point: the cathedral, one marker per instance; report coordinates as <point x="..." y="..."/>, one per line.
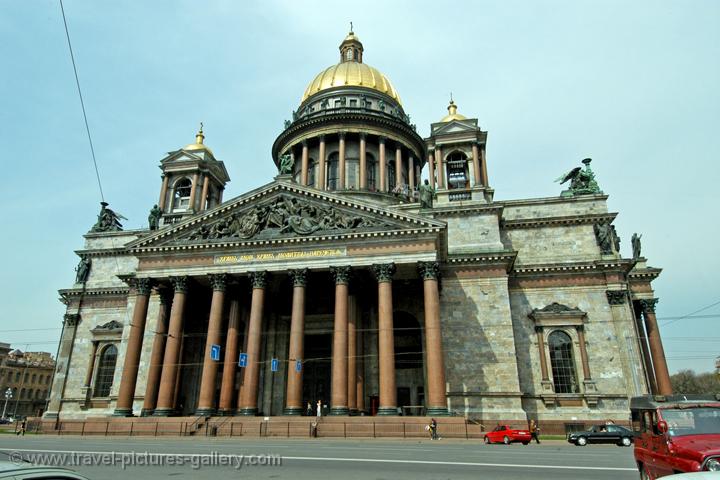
<point x="374" y="275"/>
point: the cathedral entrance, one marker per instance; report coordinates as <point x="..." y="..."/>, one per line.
<point x="318" y="369"/>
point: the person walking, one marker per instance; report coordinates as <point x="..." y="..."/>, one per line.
<point x="319" y="408"/>
<point x="433" y="429"/>
<point x="309" y="410"/>
<point x="23" y="427"/>
<point x="534" y="431"/>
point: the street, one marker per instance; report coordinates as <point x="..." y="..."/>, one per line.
<point x="146" y="457"/>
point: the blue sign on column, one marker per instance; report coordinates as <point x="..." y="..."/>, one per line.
<point x="215" y="352"/>
<point x="274" y="365"/>
<point x="298" y="365"/>
<point x="242" y="361"/>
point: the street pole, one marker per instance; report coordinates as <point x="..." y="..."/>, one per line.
<point x="8" y="396"/>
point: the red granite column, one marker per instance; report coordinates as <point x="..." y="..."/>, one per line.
<point x="321" y="163"/>
<point x="662" y="377"/>
<point x="293" y="399"/>
<point x="483" y="166"/>
<point x="477" y="174"/>
<point x="644" y="348"/>
<point x="338" y="402"/>
<point x="193" y="192"/>
<point x="342" y="185"/>
<point x="360" y="372"/>
<point x="431" y="168"/>
<point x="248" y="402"/>
<point x="156" y="358"/>
<point x="435" y="358"/>
<point x="304" y="164"/>
<point x="352" y="355"/>
<point x="227" y="389"/>
<point x="206" y="403"/>
<point x="398" y="165"/>
<point x="91" y="366"/>
<point x="171" y="359"/>
<point x="163" y="192"/>
<point x="386" y="339"/>
<point x="583" y="352"/>
<point x="363" y="161"/>
<point x="382" y="166"/>
<point x="128" y="381"/>
<point x="541" y="352"/>
<point x="411" y="174"/>
<point x="440" y="168"/>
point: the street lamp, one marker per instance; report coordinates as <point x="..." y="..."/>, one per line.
<point x="8" y="396"/>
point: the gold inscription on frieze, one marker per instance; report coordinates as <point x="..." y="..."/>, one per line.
<point x="270" y="256"/>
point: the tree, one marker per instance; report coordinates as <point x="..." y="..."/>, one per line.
<point x="687" y="381"/>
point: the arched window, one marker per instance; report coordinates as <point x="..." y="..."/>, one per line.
<point x="457" y="171"/>
<point x="563" y="365"/>
<point x="181" y="199"/>
<point x="34" y="378"/>
<point x="333" y="175"/>
<point x="22" y="393"/>
<point x="371" y="167"/>
<point x="105" y="371"/>
<point x="17" y="376"/>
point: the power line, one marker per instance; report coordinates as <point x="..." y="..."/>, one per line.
<point x="691" y="314"/>
<point x="82" y="103"/>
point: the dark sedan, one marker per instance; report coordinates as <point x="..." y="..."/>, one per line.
<point x="616" y="434"/>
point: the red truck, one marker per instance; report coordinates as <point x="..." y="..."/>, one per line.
<point x="676" y="434"/>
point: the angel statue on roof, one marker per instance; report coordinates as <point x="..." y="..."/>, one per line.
<point x="582" y="181"/>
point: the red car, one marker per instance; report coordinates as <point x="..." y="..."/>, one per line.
<point x="505" y="434"/>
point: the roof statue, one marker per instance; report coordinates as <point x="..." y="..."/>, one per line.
<point x="582" y="182"/>
<point x="636" y="246"/>
<point x="108" y="220"/>
<point x="286" y="164"/>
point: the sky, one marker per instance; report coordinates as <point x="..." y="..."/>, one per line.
<point x="633" y="85"/>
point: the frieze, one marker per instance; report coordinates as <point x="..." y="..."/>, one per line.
<point x="273" y="256"/>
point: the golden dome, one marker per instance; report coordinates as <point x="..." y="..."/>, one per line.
<point x="452" y="113"/>
<point x="351" y="74"/>
<point x="198" y="145"/>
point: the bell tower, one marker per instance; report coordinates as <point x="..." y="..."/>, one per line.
<point x="192" y="181"/>
<point x="351" y="49"/>
<point x="456" y="158"/>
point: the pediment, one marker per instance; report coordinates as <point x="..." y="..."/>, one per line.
<point x="454" y="127"/>
<point x="181" y="156"/>
<point x="284" y="212"/>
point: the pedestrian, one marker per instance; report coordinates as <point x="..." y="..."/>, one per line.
<point x="319" y="408"/>
<point x="23" y="426"/>
<point x="433" y="429"/>
<point x="534" y="431"/>
<point x="308" y="409"/>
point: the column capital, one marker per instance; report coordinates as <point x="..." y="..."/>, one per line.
<point x="429" y="270"/>
<point x="538" y="328"/>
<point x="304" y="142"/>
<point x="218" y="281"/>
<point x="363" y="135"/>
<point x="321" y="137"/>
<point x="299" y="276"/>
<point x="648" y="304"/>
<point x="180" y="283"/>
<point x="71" y="319"/>
<point x="141" y="286"/>
<point x="384" y="271"/>
<point x="341" y="274"/>
<point x="381" y="140"/>
<point x="580" y="328"/>
<point x="341" y="135"/>
<point x="616" y="297"/>
<point x="259" y="279"/>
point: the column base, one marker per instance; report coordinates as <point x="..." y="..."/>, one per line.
<point x="437" y="412"/>
<point x="51" y="415"/>
<point x="226" y="412"/>
<point x="339" y="411"/>
<point x="387" y="411"/>
<point x="205" y="412"/>
<point x="248" y="411"/>
<point x="147" y="412"/>
<point x="123" y="412"/>
<point x="293" y="411"/>
<point x="354" y="412"/>
<point x="164" y="412"/>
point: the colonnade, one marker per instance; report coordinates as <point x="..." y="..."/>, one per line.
<point x="163" y="373"/>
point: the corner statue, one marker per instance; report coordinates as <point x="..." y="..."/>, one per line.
<point x="83" y="270"/>
<point x="108" y="221"/>
<point x="636" y="246"/>
<point x="427" y="193"/>
<point x="582" y="182"/>
<point x="286" y="164"/>
<point x="154" y="217"/>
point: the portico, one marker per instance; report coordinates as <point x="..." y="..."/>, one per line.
<point x="259" y="301"/>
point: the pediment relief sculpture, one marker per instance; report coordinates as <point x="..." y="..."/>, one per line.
<point x="282" y="216"/>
